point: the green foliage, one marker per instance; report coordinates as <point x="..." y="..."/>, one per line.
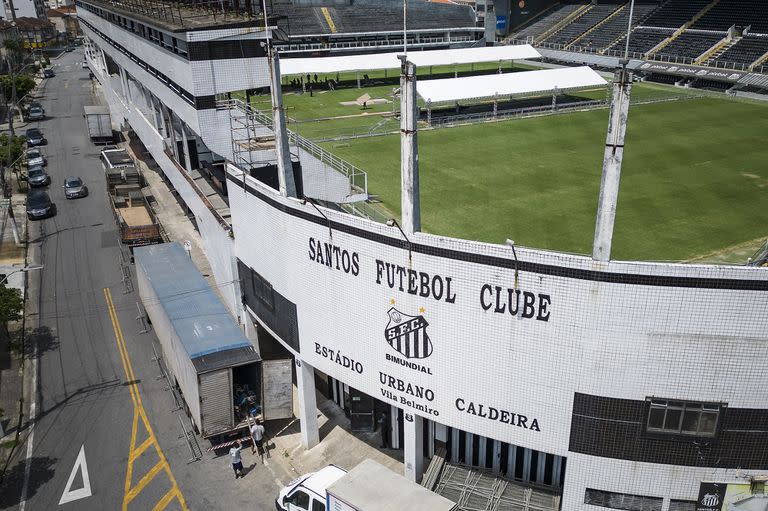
<point x="16" y="148"/>
<point x="11" y="304"/>
<point x="24" y="85"/>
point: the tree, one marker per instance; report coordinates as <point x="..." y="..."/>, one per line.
<point x="11" y="305"/>
<point x="16" y="148"/>
<point x="24" y="85"/>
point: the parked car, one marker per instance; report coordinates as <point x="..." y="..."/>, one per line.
<point x="35" y="158"/>
<point x="85" y="64"/>
<point x="39" y="205"/>
<point x="48" y="73"/>
<point x="37" y="176"/>
<point x="74" y="188"/>
<point x="36" y="104"/>
<point x="36" y="113"/>
<point x="35" y="137"/>
<point x="308" y="491"/>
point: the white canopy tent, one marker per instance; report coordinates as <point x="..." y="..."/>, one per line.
<point x="379" y="61"/>
<point x="508" y="84"/>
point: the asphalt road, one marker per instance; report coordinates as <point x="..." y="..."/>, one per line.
<point x="105" y="435"/>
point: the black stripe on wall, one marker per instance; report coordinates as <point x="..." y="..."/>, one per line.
<point x="500" y="262"/>
<point x="199" y="102"/>
<point x="226" y="50"/>
<point x="615" y="428"/>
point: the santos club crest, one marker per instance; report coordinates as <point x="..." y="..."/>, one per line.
<point x="408" y="334"/>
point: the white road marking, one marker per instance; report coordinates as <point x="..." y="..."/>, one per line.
<point x="69" y="494"/>
<point x="31" y="438"/>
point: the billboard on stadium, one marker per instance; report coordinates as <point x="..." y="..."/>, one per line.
<point x="459" y="332"/>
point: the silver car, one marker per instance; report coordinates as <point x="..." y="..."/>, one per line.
<point x="36" y="113"/>
<point x="35" y="158"/>
<point x="74" y="188"/>
<point x="36" y="177"/>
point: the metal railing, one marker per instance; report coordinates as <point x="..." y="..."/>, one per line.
<point x="358" y="178"/>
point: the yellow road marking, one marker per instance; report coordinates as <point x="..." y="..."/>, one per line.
<point x="167" y="498"/>
<point x="144" y="481"/>
<point x="328" y="18"/>
<point x="135" y="453"/>
<point x="139" y="412"/>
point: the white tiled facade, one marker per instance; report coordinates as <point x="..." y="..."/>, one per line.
<point x="618" y="340"/>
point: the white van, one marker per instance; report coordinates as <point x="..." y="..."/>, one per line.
<point x="308" y="492"/>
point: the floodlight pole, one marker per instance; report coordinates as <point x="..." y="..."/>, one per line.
<point x="612" y="160"/>
<point x="282" y="149"/>
<point x="405" y="27"/>
<point x="629" y="28"/>
<point x="410" y="203"/>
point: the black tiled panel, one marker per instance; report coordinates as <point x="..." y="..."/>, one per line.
<point x="224" y="50"/>
<point x="281" y="318"/>
<point x="615" y="428"/>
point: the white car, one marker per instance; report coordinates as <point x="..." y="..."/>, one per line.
<point x="85" y="64"/>
<point x="35" y="158"/>
<point x="307" y="493"/>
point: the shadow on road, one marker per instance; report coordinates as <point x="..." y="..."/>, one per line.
<point x="43" y="338"/>
<point x="11" y="485"/>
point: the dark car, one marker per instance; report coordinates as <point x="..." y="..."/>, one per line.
<point x="36" y="177"/>
<point x="48" y="73"/>
<point x="35" y="137"/>
<point x="39" y="205"/>
<point x="74" y="188"/>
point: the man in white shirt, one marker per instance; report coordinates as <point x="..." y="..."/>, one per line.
<point x="257" y="435"/>
<point x="237" y="462"/>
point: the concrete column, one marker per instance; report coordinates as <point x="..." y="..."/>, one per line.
<point x="612" y="159"/>
<point x="410" y="203"/>
<point x="394" y="440"/>
<point x="172" y="134"/>
<point x="124" y="86"/>
<point x="163" y="126"/>
<point x="282" y="149"/>
<point x="413" y="450"/>
<point x="305" y="381"/>
<point x="441" y="433"/>
<point x="185" y="144"/>
<point x="250" y="329"/>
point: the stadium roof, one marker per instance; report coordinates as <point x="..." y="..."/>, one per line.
<point x="375" y="61"/>
<point x="508" y="84"/>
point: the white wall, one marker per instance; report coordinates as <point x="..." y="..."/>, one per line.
<point x="609" y="339"/>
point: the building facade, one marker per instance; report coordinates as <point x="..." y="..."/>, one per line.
<point x="606" y="382"/>
<point x="616" y="382"/>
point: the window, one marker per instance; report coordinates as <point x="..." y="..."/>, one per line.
<point x="682" y="505"/>
<point x="299" y="499"/>
<point x="683" y="418"/>
<point x="625" y="501"/>
<point x="317" y="505"/>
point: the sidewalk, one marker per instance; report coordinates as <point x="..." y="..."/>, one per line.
<point x="12" y="257"/>
<point x="338" y="445"/>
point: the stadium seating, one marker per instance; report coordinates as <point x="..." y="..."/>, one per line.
<point x="547" y="21"/>
<point x="691" y="43"/>
<point x="581" y="24"/>
<point x="675" y="13"/>
<point x="746" y="51"/>
<point x="643" y="39"/>
<point x="373" y="16"/>
<point x="741" y="13"/>
<point x="605" y="35"/>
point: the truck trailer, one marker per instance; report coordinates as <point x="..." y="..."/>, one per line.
<point x="222" y="379"/>
<point x="99" y="123"/>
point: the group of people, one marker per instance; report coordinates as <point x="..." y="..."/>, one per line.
<point x="309" y="84"/>
<point x="257" y="439"/>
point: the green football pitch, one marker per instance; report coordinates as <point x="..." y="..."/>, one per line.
<point x="694" y="182"/>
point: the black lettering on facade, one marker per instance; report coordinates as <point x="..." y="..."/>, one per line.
<point x="495" y="414"/>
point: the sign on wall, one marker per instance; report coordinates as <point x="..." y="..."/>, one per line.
<point x="711" y="496"/>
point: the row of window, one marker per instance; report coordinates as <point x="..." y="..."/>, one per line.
<point x="170" y="43"/>
<point x="150" y="69"/>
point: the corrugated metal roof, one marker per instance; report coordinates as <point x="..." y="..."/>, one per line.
<point x="197" y="315"/>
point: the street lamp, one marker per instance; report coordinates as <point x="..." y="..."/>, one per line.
<point x="393" y="223"/>
<point x="26" y="269"/>
<point x="511" y="244"/>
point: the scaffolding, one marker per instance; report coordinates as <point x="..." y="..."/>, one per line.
<point x="253" y="145"/>
<point x="476" y="490"/>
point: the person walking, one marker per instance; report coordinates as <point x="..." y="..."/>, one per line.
<point x="257" y="436"/>
<point x="237" y="462"/>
